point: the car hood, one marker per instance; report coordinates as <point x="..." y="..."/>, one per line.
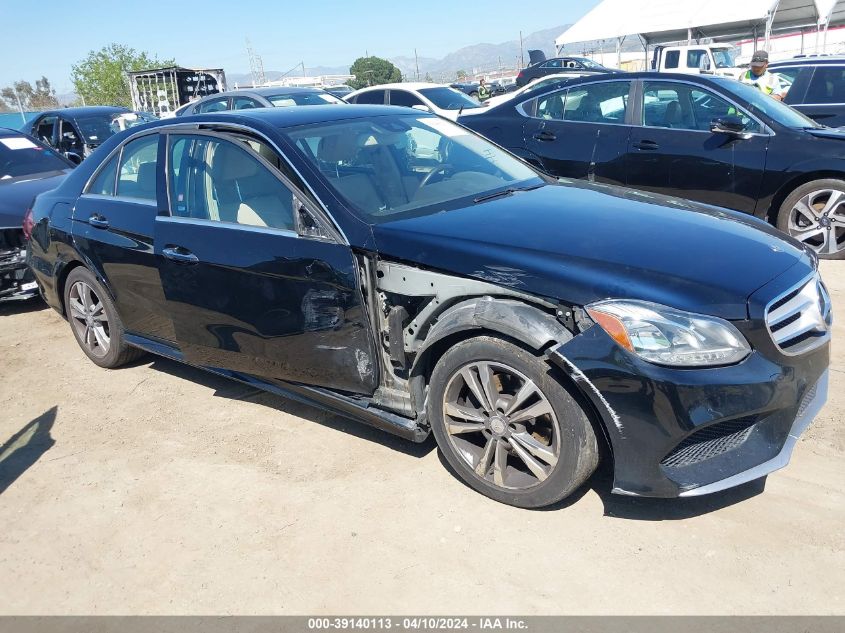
<point x="17" y="194"/>
<point x="580" y="242"/>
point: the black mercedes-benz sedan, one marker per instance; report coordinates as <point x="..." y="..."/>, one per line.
<point x="394" y="267"/>
<point x="27" y="168"/>
<point x="709" y="139"/>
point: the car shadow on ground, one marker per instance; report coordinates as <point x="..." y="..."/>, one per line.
<point x="26" y="447"/>
<point x="233" y="390"/>
<point x="11" y="308"/>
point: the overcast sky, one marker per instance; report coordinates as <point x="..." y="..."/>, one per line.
<point x="212" y="33"/>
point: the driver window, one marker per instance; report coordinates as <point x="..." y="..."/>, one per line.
<point x="69" y="140"/>
<point x="44" y="129"/>
<point x="222" y="181"/>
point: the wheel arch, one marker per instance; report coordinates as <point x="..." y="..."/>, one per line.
<point x="771" y="214"/>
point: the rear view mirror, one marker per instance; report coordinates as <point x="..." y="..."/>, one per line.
<point x="73" y="157"/>
<point x="730" y="124"/>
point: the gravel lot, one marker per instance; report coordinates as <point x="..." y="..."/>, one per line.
<point x="159" y="488"/>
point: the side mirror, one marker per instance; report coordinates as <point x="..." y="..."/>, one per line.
<point x="421" y="107"/>
<point x="73" y="157"/>
<point x="730" y="124"/>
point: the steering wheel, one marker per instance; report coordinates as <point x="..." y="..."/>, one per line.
<point x="440" y="169"/>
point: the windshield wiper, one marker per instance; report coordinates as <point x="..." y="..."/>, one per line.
<point x="502" y="193"/>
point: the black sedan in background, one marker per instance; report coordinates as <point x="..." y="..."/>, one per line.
<point x="558" y="65"/>
<point x="27" y="168"/>
<point x="259" y="98"/>
<point x="704" y="138"/>
<point x="392" y="266"/>
<point x="816" y="87"/>
<point x="76" y="132"/>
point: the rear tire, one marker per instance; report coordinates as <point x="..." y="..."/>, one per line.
<point x="814" y="214"/>
<point x="531" y="448"/>
<point x="94" y="321"/>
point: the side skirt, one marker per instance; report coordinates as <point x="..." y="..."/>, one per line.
<point x="357" y="409"/>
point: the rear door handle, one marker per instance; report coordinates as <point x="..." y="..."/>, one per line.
<point x="647" y="145"/>
<point x="180" y="255"/>
<point x="545" y="135"/>
<point x="98" y="221"/>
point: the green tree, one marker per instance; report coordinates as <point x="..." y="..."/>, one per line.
<point x="100" y="78"/>
<point x="461" y="75"/>
<point x="372" y="71"/>
<point x="41" y="97"/>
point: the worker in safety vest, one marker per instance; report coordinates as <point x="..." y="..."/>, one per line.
<point x="483" y="91"/>
<point x="759" y="76"/>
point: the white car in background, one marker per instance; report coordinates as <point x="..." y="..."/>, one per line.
<point x="440" y="99"/>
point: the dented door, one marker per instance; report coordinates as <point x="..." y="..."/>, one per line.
<point x="267" y="303"/>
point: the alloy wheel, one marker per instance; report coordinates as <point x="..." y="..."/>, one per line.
<point x="89" y="319"/>
<point x="818" y="220"/>
<point x="500" y="423"/>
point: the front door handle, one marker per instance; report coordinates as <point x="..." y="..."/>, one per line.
<point x="545" y="135"/>
<point x="180" y="255"/>
<point x="98" y="221"/>
<point x="648" y="146"/>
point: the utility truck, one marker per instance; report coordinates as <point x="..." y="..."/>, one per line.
<point x="696" y="59"/>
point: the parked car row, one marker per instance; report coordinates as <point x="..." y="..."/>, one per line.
<point x="392" y="266"/>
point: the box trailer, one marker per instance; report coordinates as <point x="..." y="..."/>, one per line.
<point x="163" y="90"/>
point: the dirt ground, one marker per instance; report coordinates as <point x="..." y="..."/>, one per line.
<point x="160" y="489"/>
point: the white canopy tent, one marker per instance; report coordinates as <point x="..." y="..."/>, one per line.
<point x="663" y="21"/>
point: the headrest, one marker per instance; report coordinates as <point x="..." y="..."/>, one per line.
<point x="337" y="148"/>
<point x="231" y="163"/>
<point x="147" y="176"/>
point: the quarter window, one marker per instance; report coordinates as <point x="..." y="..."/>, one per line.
<point x="137" y="172"/>
<point x="103" y="184"/>
<point x="222" y="181"/>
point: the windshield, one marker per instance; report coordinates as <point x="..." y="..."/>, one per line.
<point x="724" y="58"/>
<point x="19" y="156"/>
<point x="96" y="128"/>
<point x="303" y="99"/>
<point x="397" y="166"/>
<point x="779" y="112"/>
<point x="448" y="98"/>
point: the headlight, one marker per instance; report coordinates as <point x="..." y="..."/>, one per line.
<point x="666" y="336"/>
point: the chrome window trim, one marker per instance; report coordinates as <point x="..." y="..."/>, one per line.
<point x="117" y="150"/>
<point x="234" y="225"/>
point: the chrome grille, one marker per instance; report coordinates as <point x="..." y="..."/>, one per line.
<point x="800" y="319"/>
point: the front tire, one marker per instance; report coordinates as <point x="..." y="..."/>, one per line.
<point x="814" y="214"/>
<point x="95" y="322"/>
<point x="507" y="426"/>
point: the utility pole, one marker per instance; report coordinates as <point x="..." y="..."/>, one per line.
<point x="256" y="66"/>
<point x="521" y="55"/>
<point x="20" y="105"/>
<point x="417" y="61"/>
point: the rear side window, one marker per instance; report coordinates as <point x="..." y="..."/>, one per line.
<point x="827" y="85"/>
<point x="137" y="171"/>
<point x="373" y="96"/>
<point x="214" y="179"/>
<point x="214" y="105"/>
<point x="597" y="103"/>
<point x="244" y="103"/>
<point x="402" y="98"/>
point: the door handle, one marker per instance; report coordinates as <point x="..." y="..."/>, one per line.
<point x="647" y="145"/>
<point x="98" y="221"/>
<point x="180" y="255"/>
<point x="545" y="135"/>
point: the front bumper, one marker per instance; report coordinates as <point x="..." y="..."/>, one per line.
<point x="687" y="432"/>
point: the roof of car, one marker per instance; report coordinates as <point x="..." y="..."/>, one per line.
<point x="84" y="110"/>
<point x="290" y="117"/>
<point x="809" y="60"/>
<point x="408" y="85"/>
<point x="290" y="90"/>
